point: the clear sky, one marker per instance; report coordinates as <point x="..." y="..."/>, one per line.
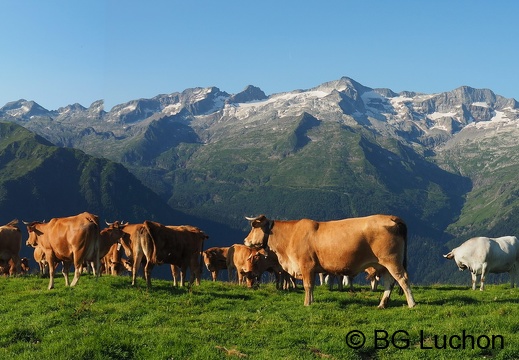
<point x="60" y="52"/>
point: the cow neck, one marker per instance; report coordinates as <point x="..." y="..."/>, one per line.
<point x="266" y="234"/>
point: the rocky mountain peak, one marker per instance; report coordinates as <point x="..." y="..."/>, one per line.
<point x="250" y="93"/>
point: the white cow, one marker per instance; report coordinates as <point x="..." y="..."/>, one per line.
<point x="482" y="255"/>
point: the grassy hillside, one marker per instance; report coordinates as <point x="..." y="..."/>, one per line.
<point x="108" y="319"/>
<point x="491" y="161"/>
<point x="40" y="181"/>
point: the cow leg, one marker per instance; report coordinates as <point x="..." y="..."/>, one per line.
<point x="52" y="271"/>
<point x="17" y="264"/>
<point x="474" y="279"/>
<point x="321" y="278"/>
<point x="147" y="273"/>
<point x="308" y="284"/>
<point x="174" y="275"/>
<point x="78" y="268"/>
<point x="398" y="273"/>
<point x="374" y="284"/>
<point x="214" y="275"/>
<point x="340" y="279"/>
<point x="513" y="275"/>
<point x="194" y="266"/>
<point x="94" y="270"/>
<point x="389" y="283"/>
<point x="136" y="265"/>
<point x="65" y="268"/>
<point x="484" y="272"/>
<point x="183" y="275"/>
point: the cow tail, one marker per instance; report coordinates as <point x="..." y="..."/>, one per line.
<point x="153" y="258"/>
<point x="400" y="229"/>
<point x="201" y="260"/>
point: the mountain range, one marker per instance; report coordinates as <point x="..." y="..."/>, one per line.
<point x="444" y="162"/>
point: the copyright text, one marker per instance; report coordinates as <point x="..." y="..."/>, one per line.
<point x="400" y="339"/>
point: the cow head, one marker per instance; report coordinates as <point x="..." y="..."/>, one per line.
<point x="461" y="266"/>
<point x="252" y="267"/>
<point x="113" y="232"/>
<point x="260" y="231"/>
<point x="34" y="232"/>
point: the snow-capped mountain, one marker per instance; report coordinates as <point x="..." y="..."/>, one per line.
<point x="427" y="119"/>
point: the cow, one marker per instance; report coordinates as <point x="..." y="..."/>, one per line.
<point x="156" y="243"/>
<point x="239" y="261"/>
<point x="342" y="247"/>
<point x="215" y="259"/>
<point x="483" y="255"/>
<point x="24" y="265"/>
<point x="109" y="246"/>
<point x="129" y="237"/>
<point x="10" y="246"/>
<point x="9" y="268"/>
<point x="43" y="264"/>
<point x="113" y="261"/>
<point x="71" y="240"/>
<point x="187" y="234"/>
<point x="266" y="260"/>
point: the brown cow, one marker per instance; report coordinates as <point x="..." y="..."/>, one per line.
<point x="192" y="234"/>
<point x="159" y="244"/>
<point x="306" y="247"/>
<point x="10" y="267"/>
<point x="215" y="259"/>
<point x="131" y="243"/>
<point x="239" y="261"/>
<point x="72" y="239"/>
<point x="10" y="245"/>
<point x="109" y="245"/>
<point x="39" y="256"/>
<point x="266" y="260"/>
<point x="24" y="265"/>
<point x="113" y="261"/>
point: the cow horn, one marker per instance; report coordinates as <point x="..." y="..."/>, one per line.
<point x="254" y="218"/>
<point x="109" y="224"/>
<point x="25" y="222"/>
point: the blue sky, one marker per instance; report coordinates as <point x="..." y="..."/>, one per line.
<point x="63" y="52"/>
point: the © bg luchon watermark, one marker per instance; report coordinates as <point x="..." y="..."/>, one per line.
<point x="400" y="339"/>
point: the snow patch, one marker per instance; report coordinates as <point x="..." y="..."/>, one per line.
<point x="172" y="109"/>
<point x="439" y="115"/>
<point x="24" y="109"/>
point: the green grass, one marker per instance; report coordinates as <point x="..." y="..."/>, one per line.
<point x="108" y="319"/>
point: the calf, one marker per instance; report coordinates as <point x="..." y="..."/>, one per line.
<point x="215" y="259"/>
<point x="266" y="260"/>
<point x="239" y="261"/>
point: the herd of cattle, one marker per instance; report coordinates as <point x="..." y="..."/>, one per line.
<point x="297" y="249"/>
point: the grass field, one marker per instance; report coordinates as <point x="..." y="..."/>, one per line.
<point x="106" y="318"/>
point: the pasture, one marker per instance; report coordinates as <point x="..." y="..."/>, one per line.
<point x="106" y="318"/>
